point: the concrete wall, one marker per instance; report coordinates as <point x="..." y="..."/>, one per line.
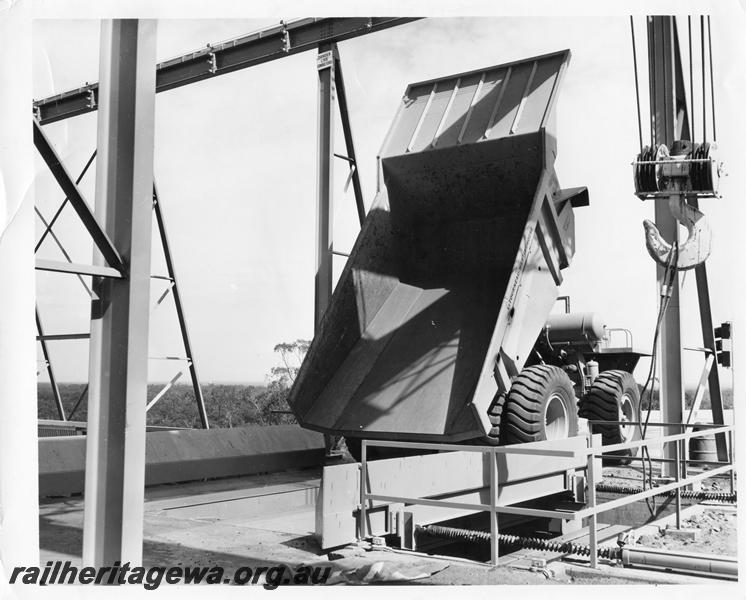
<point x="189" y="455"/>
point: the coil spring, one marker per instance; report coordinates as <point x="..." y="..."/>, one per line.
<point x="528" y="543"/>
<point x="621" y="488"/>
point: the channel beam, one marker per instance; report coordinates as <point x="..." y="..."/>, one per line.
<point x="218" y="59"/>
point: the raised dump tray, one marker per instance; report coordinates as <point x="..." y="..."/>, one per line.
<point x="457" y="263"/>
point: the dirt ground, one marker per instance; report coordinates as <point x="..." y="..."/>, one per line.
<point x="716" y="534"/>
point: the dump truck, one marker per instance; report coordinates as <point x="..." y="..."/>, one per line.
<point x="440" y="328"/>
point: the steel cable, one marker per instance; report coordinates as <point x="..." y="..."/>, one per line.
<point x="704" y="78"/>
<point x="691" y="76"/>
<point x="637" y="85"/>
<point x="651" y="84"/>
<point x="712" y="79"/>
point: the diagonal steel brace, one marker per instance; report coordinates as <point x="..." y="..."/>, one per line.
<point x="102" y="241"/>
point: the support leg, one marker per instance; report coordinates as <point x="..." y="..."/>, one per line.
<point x="349" y="142"/>
<point x="158" y="210"/>
<point x="708" y="341"/>
<point x="324" y="196"/>
<point x="115" y="447"/>
<point x="667" y="128"/>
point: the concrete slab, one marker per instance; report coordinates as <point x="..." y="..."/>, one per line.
<point x="239" y="503"/>
<point x="231" y="538"/>
<point x="299" y="522"/>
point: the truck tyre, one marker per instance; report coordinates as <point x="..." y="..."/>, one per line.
<point x="495" y="414"/>
<point x="540" y="406"/>
<point x="614" y="396"/>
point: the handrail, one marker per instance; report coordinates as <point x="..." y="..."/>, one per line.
<point x="592" y="452"/>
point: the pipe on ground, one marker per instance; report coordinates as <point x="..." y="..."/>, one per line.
<point x="721" y="566"/>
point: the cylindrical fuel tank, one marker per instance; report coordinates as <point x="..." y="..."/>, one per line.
<point x="702" y="448"/>
<point x="575" y="328"/>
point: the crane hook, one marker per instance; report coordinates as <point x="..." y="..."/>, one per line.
<point x="694" y="250"/>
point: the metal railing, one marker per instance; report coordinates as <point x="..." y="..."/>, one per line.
<point x="590" y="453"/>
<point x="606" y="341"/>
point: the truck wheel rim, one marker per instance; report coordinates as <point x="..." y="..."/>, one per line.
<point x="625" y="416"/>
<point x="556" y="423"/>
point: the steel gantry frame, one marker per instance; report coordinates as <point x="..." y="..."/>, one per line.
<point x="671" y="122"/>
<point x="216" y="59"/>
<point x="127" y="199"/>
<point x="46" y="150"/>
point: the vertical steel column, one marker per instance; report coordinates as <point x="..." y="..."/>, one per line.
<point x="679" y="451"/>
<point x="344" y="114"/>
<point x="363" y="490"/>
<point x="494" y="531"/>
<point x="591" y="503"/>
<point x="50" y="370"/>
<point x="179" y="309"/>
<point x="661" y="58"/>
<point x="732" y="473"/>
<point x="708" y="341"/>
<point x="115" y="449"/>
<point x="324" y="182"/>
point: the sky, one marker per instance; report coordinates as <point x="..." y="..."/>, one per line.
<point x="236" y="171"/>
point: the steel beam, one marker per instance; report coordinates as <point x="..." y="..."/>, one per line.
<point x="65" y="181"/>
<point x="50" y="371"/>
<point x="344" y="114"/>
<point x="246" y="51"/>
<point x="663" y="106"/>
<point x="61" y="337"/>
<point x="115" y="447"/>
<point x="324" y="183"/>
<point x="157" y="209"/>
<point x="77" y="269"/>
<point x="163" y="391"/>
<point x="79" y="401"/>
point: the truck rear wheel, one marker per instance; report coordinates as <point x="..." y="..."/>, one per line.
<point x="495" y="415"/>
<point x="614" y="396"/>
<point x="540" y="406"/>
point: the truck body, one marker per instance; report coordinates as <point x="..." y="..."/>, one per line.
<point x="457" y="265"/>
